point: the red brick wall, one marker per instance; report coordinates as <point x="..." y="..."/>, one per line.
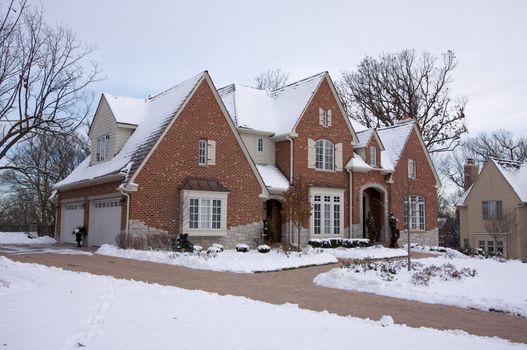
<point x="176" y="157"/>
<point x="86" y="192"/>
<point x="359" y="181"/>
<point x="423" y="186"/>
<point x="283" y="157"/>
<point x="309" y="127"/>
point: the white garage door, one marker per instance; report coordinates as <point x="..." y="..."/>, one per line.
<point x="72" y="216"/>
<point x="105" y="221"/>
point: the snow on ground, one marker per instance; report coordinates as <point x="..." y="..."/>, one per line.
<point x="49" y="308"/>
<point x="22" y="238"/>
<point x="228" y="260"/>
<point x="497" y="285"/>
<point x="374" y="252"/>
<point x="40" y="249"/>
<point x="414" y="247"/>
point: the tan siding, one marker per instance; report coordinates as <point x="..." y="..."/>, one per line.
<point x="522" y="236"/>
<point x="121" y="136"/>
<point x="103" y="123"/>
<point x="490" y="185"/>
<point x="268" y="154"/>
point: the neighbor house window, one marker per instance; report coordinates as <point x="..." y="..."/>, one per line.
<point x="412" y="169"/>
<point x="260" y="144"/>
<point x="490" y="247"/>
<point x="492" y="210"/>
<point x="481" y="245"/>
<point x="205" y="213"/>
<point x="466" y="244"/>
<point x="327" y="210"/>
<point x="325" y="155"/>
<point x="417" y="213"/>
<point x="499" y="247"/>
<point x="103" y="148"/>
<point x="373" y="156"/>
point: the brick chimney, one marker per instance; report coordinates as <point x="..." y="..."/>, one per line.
<point x="471" y="171"/>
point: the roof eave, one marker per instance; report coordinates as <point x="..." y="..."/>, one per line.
<point x="90" y="182"/>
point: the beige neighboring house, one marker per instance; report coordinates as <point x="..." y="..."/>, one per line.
<point x="493" y="209"/>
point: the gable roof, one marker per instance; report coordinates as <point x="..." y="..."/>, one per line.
<point x="127" y="110"/>
<point x="159" y="110"/>
<point x="274" y="111"/>
<point x="516" y="175"/>
<point x="394" y="139"/>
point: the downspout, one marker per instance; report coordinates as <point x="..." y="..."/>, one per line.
<point x="125" y="191"/>
<point x="351" y="202"/>
<point x="290" y="223"/>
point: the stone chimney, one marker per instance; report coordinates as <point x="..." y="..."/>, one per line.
<point x="471" y="171"/>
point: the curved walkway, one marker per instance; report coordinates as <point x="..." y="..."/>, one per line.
<point x="295" y="287"/>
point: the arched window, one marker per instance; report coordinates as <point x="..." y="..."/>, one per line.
<point x="325" y="155"/>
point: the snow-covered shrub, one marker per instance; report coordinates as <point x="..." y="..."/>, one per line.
<point x="129" y="241"/>
<point x="242" y="248"/>
<point x="264" y="248"/>
<point x="158" y="241"/>
<point x="339" y="242"/>
<point x="213" y="250"/>
<point x="197" y="248"/>
<point x="219" y="246"/>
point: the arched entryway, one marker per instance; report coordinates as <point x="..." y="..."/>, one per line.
<point x="273" y="214"/>
<point x="374" y="202"/>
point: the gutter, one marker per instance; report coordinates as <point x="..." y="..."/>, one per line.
<point x="291" y="233"/>
<point x="90" y="182"/>
<point x="126" y="191"/>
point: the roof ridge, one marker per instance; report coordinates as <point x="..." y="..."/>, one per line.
<point x="502" y="160"/>
<point x="151" y="98"/>
<point x="298" y="81"/>
<point x="400" y="123"/>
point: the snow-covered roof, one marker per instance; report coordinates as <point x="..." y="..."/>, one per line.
<point x="127" y="110"/>
<point x="516" y="175"/>
<point x="364" y="137"/>
<point x="463" y="197"/>
<point x="358" y="164"/>
<point x="275" y="111"/>
<point x="273" y="177"/>
<point x="357" y="126"/>
<point x="394" y="138"/>
<point x="158" y="112"/>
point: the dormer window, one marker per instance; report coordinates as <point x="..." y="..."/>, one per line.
<point x="373" y="156"/>
<point x="103" y="148"/>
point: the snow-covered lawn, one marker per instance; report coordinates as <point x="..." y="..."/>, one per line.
<point x="375" y="252"/>
<point x="49" y="308"/>
<point x="496" y="285"/>
<point x="22" y="238"/>
<point x="228" y="260"/>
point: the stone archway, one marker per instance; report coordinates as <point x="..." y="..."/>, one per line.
<point x="374" y="199"/>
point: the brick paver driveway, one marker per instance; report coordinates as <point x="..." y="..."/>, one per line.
<point x="293" y="286"/>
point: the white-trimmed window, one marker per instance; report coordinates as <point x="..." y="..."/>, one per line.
<point x="206" y="152"/>
<point x="325" y="155"/>
<point x="325" y="117"/>
<point x="205" y="213"/>
<point x="499" y="247"/>
<point x="373" y="156"/>
<point x="412" y="169"/>
<point x="260" y="144"/>
<point x="417" y="213"/>
<point x="103" y="148"/>
<point x="202" y="159"/>
<point x="327" y="215"/>
<point x="492" y="210"/>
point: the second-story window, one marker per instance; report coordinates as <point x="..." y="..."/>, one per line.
<point x="103" y="148"/>
<point x="324" y="117"/>
<point x="492" y="210"/>
<point x="412" y="169"/>
<point x="325" y="155"/>
<point x="202" y="157"/>
<point x="373" y="156"/>
<point x="260" y="144"/>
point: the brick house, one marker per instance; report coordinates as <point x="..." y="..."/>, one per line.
<point x="214" y="163"/>
<point x="493" y="211"/>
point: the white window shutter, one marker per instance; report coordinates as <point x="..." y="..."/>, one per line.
<point x="211" y="152"/>
<point x="338" y="157"/>
<point x="321" y="116"/>
<point x="329" y="117"/>
<point x="311" y="153"/>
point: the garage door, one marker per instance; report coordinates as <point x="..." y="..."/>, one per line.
<point x="105" y="221"/>
<point x="72" y="216"/>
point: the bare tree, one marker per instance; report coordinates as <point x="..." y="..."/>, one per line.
<point x="402" y="85"/>
<point x="502" y="227"/>
<point x="501" y="144"/>
<point x="271" y="79"/>
<point x="297" y="207"/>
<point x="43" y="76"/>
<point x="33" y="168"/>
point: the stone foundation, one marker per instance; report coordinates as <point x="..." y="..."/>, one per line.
<point x="250" y="234"/>
<point x="138" y="228"/>
<point x="430" y="238"/>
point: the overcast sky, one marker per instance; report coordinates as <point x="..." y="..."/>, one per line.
<point x="144" y="47"/>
